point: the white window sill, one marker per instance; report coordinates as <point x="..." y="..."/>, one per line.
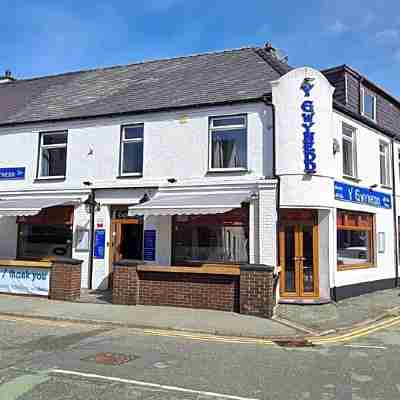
<point x="388" y="187"/>
<point x="228" y="170"/>
<point x="352" y="178"/>
<point x="49" y="178"/>
<point x="131" y="175"/>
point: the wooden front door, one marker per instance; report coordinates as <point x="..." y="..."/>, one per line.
<point x="126" y="239"/>
<point x="298" y="248"/>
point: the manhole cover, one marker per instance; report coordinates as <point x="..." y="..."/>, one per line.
<point x="111" y="358"/>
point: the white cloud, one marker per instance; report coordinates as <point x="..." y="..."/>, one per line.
<point x="338" y="27"/>
<point x="387" y="36"/>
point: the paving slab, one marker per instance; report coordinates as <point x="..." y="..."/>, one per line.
<point x="171" y="318"/>
<point x="344" y="314"/>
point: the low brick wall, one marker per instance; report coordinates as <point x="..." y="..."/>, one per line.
<point x="257" y="290"/>
<point x="250" y="293"/>
<point x="215" y="292"/>
<point x="65" y="279"/>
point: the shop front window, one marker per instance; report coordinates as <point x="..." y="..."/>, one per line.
<point x="217" y="238"/>
<point x="355" y="241"/>
<point x="48" y="234"/>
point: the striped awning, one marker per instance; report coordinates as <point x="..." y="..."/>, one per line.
<point x="31" y="206"/>
<point x="179" y="203"/>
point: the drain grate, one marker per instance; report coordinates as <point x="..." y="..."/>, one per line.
<point x="111" y="358"/>
<point x="293" y="343"/>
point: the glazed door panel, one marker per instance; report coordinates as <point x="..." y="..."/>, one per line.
<point x="299" y="260"/>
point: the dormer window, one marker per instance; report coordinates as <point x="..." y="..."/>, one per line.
<point x="368" y="104"/>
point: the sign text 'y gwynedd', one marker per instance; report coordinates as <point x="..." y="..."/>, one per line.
<point x="307" y="108"/>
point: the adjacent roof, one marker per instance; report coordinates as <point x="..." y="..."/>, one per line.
<point x="228" y="76"/>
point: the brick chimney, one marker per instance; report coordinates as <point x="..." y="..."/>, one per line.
<point x="7" y="77"/>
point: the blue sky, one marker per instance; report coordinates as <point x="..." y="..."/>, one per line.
<point x="48" y="37"/>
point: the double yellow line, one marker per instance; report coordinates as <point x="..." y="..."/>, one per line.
<point x="357" y="333"/>
<point x="315" y="340"/>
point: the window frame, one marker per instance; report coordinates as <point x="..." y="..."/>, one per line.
<point x="212" y="129"/>
<point x="371" y="245"/>
<point x="365" y="92"/>
<point x="123" y="140"/>
<point x="42" y="146"/>
<point x="353" y="142"/>
<point x="195" y="263"/>
<point x="388" y="183"/>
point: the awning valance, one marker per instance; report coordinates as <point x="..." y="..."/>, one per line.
<point x="32" y="206"/>
<point x="180" y="203"/>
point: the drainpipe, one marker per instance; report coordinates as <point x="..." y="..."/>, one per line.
<point x="396" y="233"/>
<point x="92" y="203"/>
<point x="274" y="174"/>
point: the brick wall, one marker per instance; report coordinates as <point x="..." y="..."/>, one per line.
<point x="257" y="290"/>
<point x="216" y="292"/>
<point x="250" y="293"/>
<point x="65" y="279"/>
<point x="125" y="284"/>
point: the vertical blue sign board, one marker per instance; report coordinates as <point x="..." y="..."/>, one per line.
<point x="12" y="173"/>
<point x="360" y="195"/>
<point x="149" y="245"/>
<point x="99" y="243"/>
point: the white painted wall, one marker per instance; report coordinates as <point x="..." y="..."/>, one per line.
<point x="175" y="145"/>
<point x="288" y="97"/>
<point x="368" y="174"/>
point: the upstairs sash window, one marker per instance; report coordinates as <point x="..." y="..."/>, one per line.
<point x="53" y="154"/>
<point x="228" y="138"/>
<point x="132" y="150"/>
<point x="384" y="161"/>
<point x="368" y="104"/>
<point x="349" y="146"/>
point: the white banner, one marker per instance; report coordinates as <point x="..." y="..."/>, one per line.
<point x="25" y="280"/>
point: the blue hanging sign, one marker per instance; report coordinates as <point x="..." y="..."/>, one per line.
<point x="149" y="245"/>
<point x="307" y="108"/>
<point x="360" y="195"/>
<point x="12" y="173"/>
<point x="99" y="243"/>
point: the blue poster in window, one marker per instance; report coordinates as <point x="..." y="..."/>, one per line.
<point x="149" y="245"/>
<point x="99" y="243"/>
<point x="362" y="195"/>
<point x="12" y="173"/>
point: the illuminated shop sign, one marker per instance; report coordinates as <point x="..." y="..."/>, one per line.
<point x="307" y="108"/>
<point x="360" y="195"/>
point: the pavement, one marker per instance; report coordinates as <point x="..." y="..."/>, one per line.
<point x="151" y="317"/>
<point x="344" y="315"/>
<point x="290" y="321"/>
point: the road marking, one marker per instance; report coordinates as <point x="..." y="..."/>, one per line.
<point x="360" y="346"/>
<point x="149" y="384"/>
<point x="357" y="332"/>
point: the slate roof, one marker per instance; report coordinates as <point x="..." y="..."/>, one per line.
<point x="228" y="76"/>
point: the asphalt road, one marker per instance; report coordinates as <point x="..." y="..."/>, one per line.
<point x="54" y="360"/>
